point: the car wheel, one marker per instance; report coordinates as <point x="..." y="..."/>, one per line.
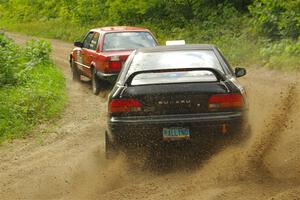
<point x="96" y="86"/>
<point x="75" y="71"/>
<point x="110" y="148"/>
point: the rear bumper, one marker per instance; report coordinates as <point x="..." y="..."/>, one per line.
<point x="112" y="77"/>
<point x="148" y="129"/>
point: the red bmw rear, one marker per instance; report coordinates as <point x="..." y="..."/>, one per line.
<point x="103" y="51"/>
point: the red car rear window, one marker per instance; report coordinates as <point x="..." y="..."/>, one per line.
<point x="127" y="41"/>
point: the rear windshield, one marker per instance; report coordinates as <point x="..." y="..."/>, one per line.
<point x="173" y="77"/>
<point x="175" y="59"/>
<point x="127" y="41"/>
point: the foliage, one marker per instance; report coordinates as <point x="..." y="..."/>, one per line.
<point x="9" y="61"/>
<point x="165" y="12"/>
<point x="283" y="54"/>
<point x="32" y="88"/>
<point x="14" y="61"/>
<point x="286" y="46"/>
<point x="244" y="29"/>
<point x="38" y="52"/>
<point x="278" y="18"/>
<point x="117" y="11"/>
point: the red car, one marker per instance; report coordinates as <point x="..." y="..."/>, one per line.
<point x="103" y="51"/>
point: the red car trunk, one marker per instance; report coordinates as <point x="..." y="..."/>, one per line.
<point x="115" y="60"/>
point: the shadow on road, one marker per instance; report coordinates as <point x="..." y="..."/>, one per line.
<point x="171" y="157"/>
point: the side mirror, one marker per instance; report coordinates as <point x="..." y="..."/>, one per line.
<point x="239" y="72"/>
<point x="78" y="44"/>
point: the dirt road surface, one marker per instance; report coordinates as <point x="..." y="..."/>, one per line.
<point x="64" y="159"/>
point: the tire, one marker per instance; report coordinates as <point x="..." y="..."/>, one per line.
<point x="96" y="86"/>
<point x="111" y="151"/>
<point x="75" y="71"/>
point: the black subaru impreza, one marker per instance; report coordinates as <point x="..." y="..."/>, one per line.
<point x="175" y="94"/>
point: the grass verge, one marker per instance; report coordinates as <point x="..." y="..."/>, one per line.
<point x="34" y="90"/>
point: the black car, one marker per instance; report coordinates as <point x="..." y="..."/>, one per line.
<point x="175" y="94"/>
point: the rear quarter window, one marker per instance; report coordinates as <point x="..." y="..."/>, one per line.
<point x="94" y="42"/>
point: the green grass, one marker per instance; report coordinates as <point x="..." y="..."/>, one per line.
<point x="50" y="29"/>
<point x="25" y="106"/>
<point x="33" y="90"/>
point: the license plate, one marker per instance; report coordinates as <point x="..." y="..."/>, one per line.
<point x="176" y="133"/>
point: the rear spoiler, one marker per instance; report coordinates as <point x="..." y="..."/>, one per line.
<point x="219" y="75"/>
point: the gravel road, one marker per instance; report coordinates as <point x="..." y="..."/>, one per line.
<point x="64" y="158"/>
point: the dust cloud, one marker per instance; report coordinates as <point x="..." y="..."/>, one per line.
<point x="264" y="167"/>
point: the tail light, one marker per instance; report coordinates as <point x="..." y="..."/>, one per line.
<point x="223" y="101"/>
<point x="115" y="63"/>
<point x="124" y="105"/>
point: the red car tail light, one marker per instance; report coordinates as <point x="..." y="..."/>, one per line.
<point x="115" y="65"/>
<point x="124" y="105"/>
<point x="223" y="101"/>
